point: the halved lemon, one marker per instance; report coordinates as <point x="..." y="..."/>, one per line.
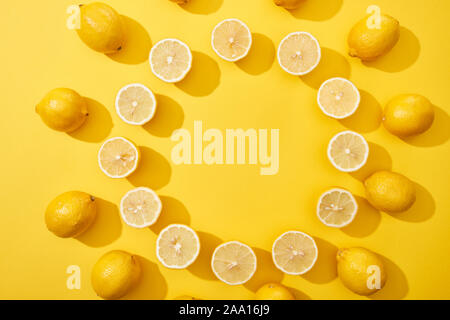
<point x="294" y="252"/>
<point x="118" y="157"/>
<point x="299" y="53"/>
<point x="338" y="98"/>
<point x="170" y="60"/>
<point x="231" y="39"/>
<point x="177" y="246"/>
<point x="140" y="207"/>
<point x="135" y="104"/>
<point x="337" y="208"/>
<point x="348" y="151"/>
<point x="233" y="262"/>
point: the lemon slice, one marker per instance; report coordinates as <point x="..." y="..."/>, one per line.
<point x="118" y="157"/>
<point x="294" y="252"/>
<point x="348" y="151"/>
<point x="299" y="53"/>
<point x="170" y="60"/>
<point x="177" y="246"/>
<point x="233" y="262"/>
<point x="231" y="39"/>
<point x="135" y="104"/>
<point x="140" y="207"/>
<point x="338" y="98"/>
<point x="337" y="208"/>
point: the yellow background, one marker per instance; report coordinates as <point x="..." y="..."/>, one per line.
<point x="221" y="202"/>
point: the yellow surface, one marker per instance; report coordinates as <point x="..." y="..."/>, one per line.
<point x="221" y="202"/>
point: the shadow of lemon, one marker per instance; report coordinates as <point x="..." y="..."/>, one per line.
<point x="169" y="116"/>
<point x="332" y="64"/>
<point x="203" y="78"/>
<point x="97" y="126"/>
<point x="137" y="44"/>
<point x="404" y="54"/>
<point x="318" y="10"/>
<point x="260" y="57"/>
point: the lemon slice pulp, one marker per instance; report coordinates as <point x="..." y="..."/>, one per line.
<point x="294" y="252"/>
<point x="177" y="246"/>
<point x="233" y="262"/>
<point x="337" y="208"/>
<point x="170" y="60"/>
<point x="135" y="104"/>
<point x="231" y="39"/>
<point x="140" y="207"/>
<point x="118" y="157"/>
<point x="338" y="98"/>
<point x="348" y="151"/>
<point x="299" y="53"/>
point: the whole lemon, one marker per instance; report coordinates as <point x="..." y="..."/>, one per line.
<point x="408" y="114"/>
<point x="274" y="291"/>
<point x="70" y="214"/>
<point x="288" y="4"/>
<point x="63" y="110"/>
<point x="360" y="270"/>
<point x="369" y="44"/>
<point x="390" y="192"/>
<point x="115" y="274"/>
<point x="101" y="28"/>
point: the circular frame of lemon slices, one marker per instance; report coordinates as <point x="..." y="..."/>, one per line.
<point x="249" y="36"/>
<point x="303" y="234"/>
<point x="319" y="53"/>
<point x="183" y="75"/>
<point x="152" y="95"/>
<point x="358" y="101"/>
